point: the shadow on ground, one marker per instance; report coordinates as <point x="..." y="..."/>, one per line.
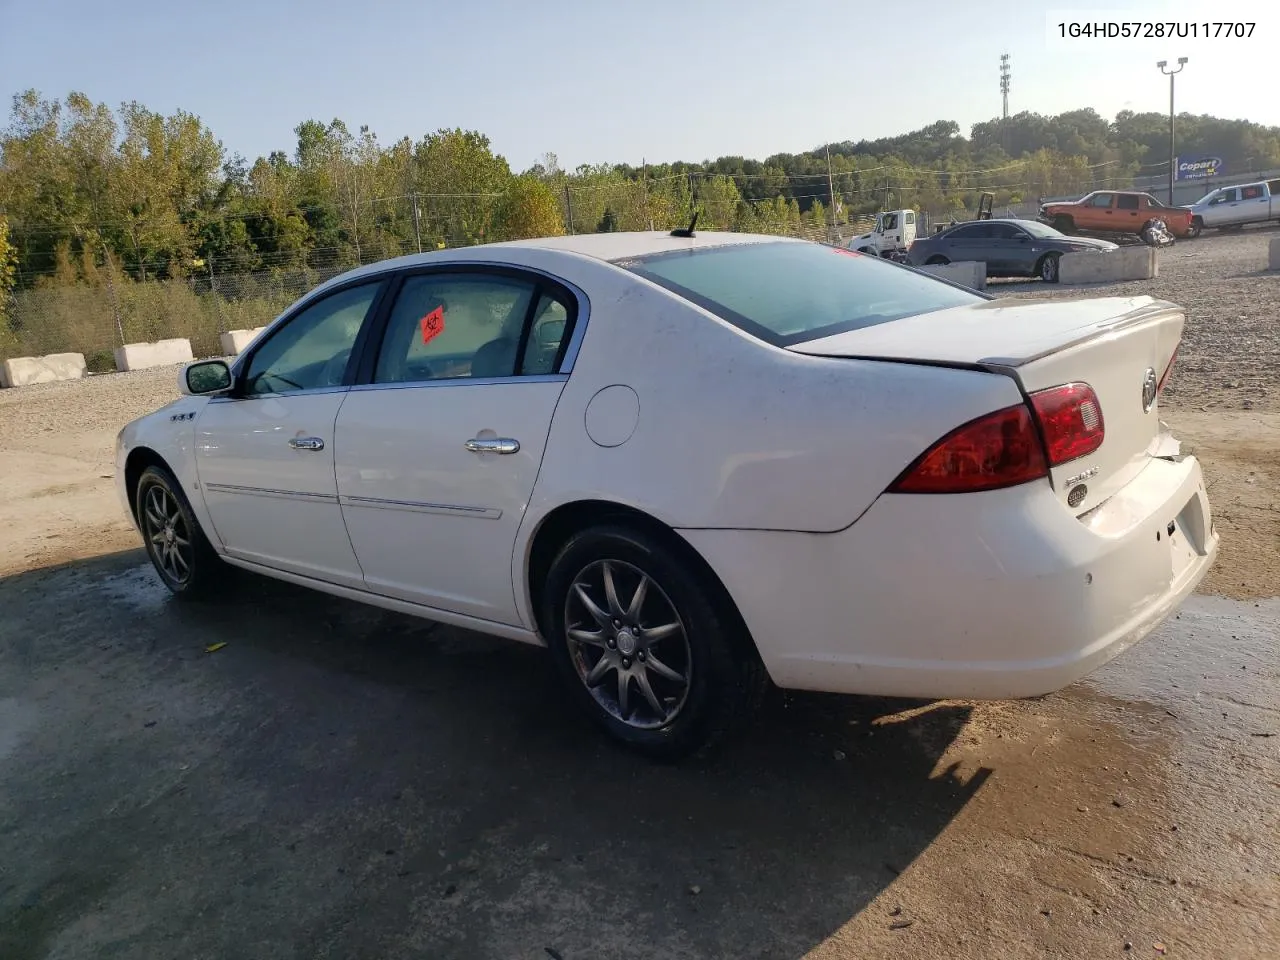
<point x="341" y="782"/>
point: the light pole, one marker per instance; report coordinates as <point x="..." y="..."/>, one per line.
<point x="1164" y="68"/>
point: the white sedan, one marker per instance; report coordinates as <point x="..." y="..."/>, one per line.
<point x="692" y="465"/>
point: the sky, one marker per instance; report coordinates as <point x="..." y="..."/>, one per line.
<point x="607" y="81"/>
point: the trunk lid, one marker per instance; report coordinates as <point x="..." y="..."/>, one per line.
<point x="1114" y="344"/>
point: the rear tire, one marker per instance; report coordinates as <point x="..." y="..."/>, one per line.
<point x="180" y="552"/>
<point x="937" y="260"/>
<point x="669" y="676"/>
<point x="1047" y="268"/>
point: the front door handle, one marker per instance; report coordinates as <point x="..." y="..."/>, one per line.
<point x="496" y="445"/>
<point x="307" y="443"/>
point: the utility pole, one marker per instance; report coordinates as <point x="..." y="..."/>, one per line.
<point x="417" y="227"/>
<point x="1173" y="160"/>
<point x="568" y="203"/>
<point x="831" y="194"/>
<point x="111" y="289"/>
<point x="1004" y="83"/>
<point x="1004" y="96"/>
<point x="644" y="188"/>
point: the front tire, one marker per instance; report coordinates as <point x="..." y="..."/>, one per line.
<point x="1197" y="227"/>
<point x="646" y="647"/>
<point x="186" y="562"/>
<point x="1064" y="224"/>
<point x="1047" y="269"/>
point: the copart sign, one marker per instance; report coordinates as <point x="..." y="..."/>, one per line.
<point x="1200" y="168"/>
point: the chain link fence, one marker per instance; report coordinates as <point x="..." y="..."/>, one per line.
<point x="101" y="307"/>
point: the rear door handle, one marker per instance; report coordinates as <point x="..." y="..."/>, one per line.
<point x="503" y="445"/>
<point x="307" y="443"/>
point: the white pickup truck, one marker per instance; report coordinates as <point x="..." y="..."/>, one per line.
<point x="1230" y="208"/>
<point x="893" y="233"/>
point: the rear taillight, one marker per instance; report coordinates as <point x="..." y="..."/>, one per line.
<point x="1001" y="449"/>
<point x="1164" y="377"/>
<point x="1010" y="446"/>
<point x="1070" y="420"/>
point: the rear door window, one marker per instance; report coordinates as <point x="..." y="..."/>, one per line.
<point x="1127" y="201"/>
<point x="789" y="292"/>
<point x="1251" y="192"/>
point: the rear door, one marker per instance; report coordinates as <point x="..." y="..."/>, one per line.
<point x="1273" y="188"/>
<point x="1129" y="215"/>
<point x="438" y="448"/>
<point x="1008" y="250"/>
<point x="967" y="242"/>
<point x="1255" y="205"/>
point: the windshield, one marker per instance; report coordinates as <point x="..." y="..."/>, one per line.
<point x="1040" y="231"/>
<point x="786" y="293"/>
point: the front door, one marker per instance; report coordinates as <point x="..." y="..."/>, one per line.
<point x="437" y="457"/>
<point x="1098" y="213"/>
<point x="264" y="455"/>
<point x="1221" y="211"/>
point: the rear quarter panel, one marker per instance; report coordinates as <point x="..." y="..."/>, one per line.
<point x="729" y="432"/>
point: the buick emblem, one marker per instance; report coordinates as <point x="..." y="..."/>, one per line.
<point x="1149" y="383"/>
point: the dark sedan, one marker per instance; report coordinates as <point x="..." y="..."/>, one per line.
<point x="1009" y="248"/>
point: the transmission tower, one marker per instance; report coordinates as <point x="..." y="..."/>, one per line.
<point x="1004" y="82"/>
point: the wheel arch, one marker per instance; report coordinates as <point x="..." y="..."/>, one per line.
<point x="135" y="464"/>
<point x="555" y="529"/>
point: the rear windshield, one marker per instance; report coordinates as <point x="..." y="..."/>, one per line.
<point x="787" y="293"/>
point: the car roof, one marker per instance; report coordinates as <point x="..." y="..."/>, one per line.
<point x="598" y="246"/>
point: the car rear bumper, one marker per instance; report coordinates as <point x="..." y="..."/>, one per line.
<point x="992" y="595"/>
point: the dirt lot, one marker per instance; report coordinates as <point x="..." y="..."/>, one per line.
<point x="340" y="782"/>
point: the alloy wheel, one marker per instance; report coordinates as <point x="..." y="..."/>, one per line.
<point x="634" y="657"/>
<point x="167" y="534"/>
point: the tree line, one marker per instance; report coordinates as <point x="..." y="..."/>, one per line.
<point x="85" y="187"/>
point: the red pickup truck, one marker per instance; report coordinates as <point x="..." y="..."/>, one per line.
<point x="1116" y="211"/>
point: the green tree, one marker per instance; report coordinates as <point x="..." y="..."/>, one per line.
<point x="460" y="179"/>
<point x="8" y="269"/>
<point x="527" y="208"/>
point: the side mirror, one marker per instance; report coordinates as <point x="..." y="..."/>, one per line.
<point x="550" y="333"/>
<point x="205" y="377"/>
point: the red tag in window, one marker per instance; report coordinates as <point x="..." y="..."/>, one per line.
<point x="433" y="325"/>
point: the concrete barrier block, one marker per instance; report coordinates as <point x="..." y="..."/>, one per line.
<point x="162" y="353"/>
<point x="22" y="371"/>
<point x="968" y="273"/>
<point x="1134" y="262"/>
<point x="1274" y="262"/>
<point x="234" y="341"/>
